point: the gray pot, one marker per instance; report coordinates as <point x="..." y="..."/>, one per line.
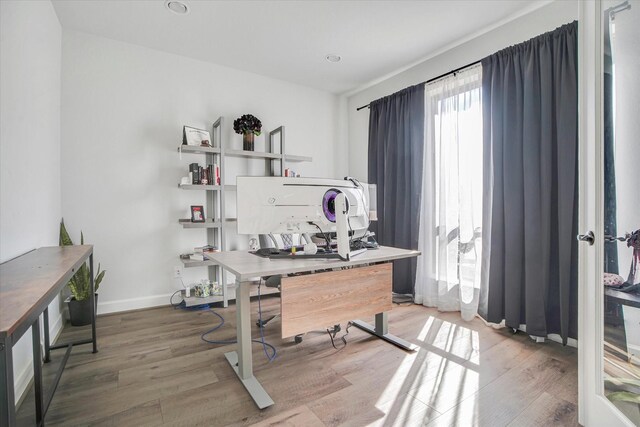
<point x="80" y="311"/>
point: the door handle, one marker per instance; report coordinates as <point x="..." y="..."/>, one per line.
<point x="590" y="238"/>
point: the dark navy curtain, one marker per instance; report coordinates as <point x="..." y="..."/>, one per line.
<point x="530" y="126"/>
<point x="396" y="142"/>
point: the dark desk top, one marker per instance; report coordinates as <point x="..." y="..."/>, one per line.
<point x="31" y="281"/>
<point x="623" y="297"/>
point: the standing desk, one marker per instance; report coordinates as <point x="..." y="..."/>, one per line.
<point x="28" y="284"/>
<point x="246" y="267"/>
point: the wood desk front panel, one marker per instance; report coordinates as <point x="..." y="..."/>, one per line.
<point x="320" y="300"/>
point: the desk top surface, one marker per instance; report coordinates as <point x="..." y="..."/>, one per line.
<point x="623" y="297"/>
<point x="33" y="279"/>
<point x="245" y="265"/>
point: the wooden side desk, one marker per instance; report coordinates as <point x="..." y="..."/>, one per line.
<point x="28" y="284"/>
<point x="246" y="266"/>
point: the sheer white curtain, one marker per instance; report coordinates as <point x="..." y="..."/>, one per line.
<point x="448" y="272"/>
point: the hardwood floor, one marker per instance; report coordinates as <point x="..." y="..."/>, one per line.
<point x="153" y="369"/>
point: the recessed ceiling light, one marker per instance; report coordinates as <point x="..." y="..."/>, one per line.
<point x="332" y="57"/>
<point x="177" y="7"/>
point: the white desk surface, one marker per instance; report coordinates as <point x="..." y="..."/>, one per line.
<point x="245" y="265"/>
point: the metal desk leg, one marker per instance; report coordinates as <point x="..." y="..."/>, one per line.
<point x="92" y="302"/>
<point x="37" y="371"/>
<point x="381" y="330"/>
<point x="241" y="360"/>
<point x="47" y="343"/>
<point x="7" y="398"/>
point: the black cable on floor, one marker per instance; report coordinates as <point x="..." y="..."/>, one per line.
<point x="203" y="336"/>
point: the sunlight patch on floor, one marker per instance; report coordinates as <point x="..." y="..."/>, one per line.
<point x="462" y="344"/>
<point x="442" y="372"/>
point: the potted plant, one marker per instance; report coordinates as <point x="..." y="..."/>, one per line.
<point x="249" y="126"/>
<point x="80" y="286"/>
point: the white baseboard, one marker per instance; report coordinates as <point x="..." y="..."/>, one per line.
<point x="146" y="302"/>
<point x="23" y="380"/>
<point x="133" y="303"/>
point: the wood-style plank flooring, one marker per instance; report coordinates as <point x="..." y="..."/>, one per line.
<point x="153" y="369"/>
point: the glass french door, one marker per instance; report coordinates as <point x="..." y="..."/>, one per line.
<point x="609" y="341"/>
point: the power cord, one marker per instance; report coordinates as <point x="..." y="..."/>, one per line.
<point x="333" y="332"/>
<point x="264" y="344"/>
<point x="326" y="238"/>
<point x="174" y="305"/>
<point x="203" y="336"/>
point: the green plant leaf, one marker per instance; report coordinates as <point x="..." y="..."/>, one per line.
<point x="73" y="288"/>
<point x="80" y="283"/>
<point x="65" y="240"/>
<point x="99" y="279"/>
<point x="624" y="396"/>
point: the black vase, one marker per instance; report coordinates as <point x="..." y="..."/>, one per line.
<point x="247" y="141"/>
<point x="80" y="311"/>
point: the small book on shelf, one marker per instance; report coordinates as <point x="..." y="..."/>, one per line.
<point x="205" y="249"/>
<point x="194" y="169"/>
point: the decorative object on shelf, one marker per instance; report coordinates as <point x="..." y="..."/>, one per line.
<point x="290" y="173"/>
<point x="195" y="137"/>
<point x="249" y="126"/>
<point x="206" y="288"/>
<point x="197" y="214"/>
<point x="80" y="285"/>
<point x="253" y="244"/>
<point x="248" y="141"/>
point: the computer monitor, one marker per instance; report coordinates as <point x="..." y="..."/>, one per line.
<point x="301" y="205"/>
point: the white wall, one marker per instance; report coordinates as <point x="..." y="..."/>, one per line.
<point x="626" y="57"/>
<point x="535" y="23"/>
<point x="30" y="49"/>
<point x="123" y="108"/>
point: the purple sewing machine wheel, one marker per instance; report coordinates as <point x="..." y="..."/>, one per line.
<point x="329" y="204"/>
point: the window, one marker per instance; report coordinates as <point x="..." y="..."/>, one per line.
<point x="448" y="277"/>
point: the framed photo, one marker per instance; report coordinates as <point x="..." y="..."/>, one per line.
<point x="196" y="137"/>
<point x="197" y="214"/>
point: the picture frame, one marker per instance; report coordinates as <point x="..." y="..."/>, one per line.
<point x="197" y="213"/>
<point x="195" y="137"/>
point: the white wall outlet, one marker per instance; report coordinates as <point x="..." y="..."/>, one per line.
<point x="177" y="272"/>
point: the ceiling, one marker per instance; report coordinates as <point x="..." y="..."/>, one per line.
<point x="289" y="40"/>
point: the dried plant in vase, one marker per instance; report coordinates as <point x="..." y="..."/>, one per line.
<point x="248" y="125"/>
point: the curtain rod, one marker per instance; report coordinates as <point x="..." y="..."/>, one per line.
<point x="619" y="8"/>
<point x="433" y="79"/>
